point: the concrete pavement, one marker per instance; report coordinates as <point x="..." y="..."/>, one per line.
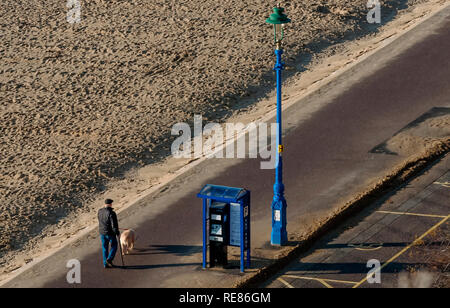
<point x="327" y="159"/>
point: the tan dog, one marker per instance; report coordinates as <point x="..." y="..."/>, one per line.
<point x="127" y="239"/>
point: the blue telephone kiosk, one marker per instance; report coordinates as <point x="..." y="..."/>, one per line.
<point x="226" y="222"/>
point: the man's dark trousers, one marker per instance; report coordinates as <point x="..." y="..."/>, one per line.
<point x="106" y="241"/>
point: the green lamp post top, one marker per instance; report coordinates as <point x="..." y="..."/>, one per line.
<point x="278" y="17"/>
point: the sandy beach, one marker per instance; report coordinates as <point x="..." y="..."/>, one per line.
<point x="88" y="104"/>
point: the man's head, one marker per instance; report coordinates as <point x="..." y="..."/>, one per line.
<point x="108" y="203"/>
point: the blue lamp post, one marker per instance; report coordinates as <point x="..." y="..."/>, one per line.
<point x="279" y="233"/>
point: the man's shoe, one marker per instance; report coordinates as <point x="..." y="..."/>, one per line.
<point x="109" y="264"/>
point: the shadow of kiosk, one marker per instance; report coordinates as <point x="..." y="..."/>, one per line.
<point x="226" y="222"/>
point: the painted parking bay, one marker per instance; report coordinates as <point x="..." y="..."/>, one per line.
<point x="388" y="231"/>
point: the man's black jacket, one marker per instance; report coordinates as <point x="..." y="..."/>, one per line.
<point x="107" y="222"/>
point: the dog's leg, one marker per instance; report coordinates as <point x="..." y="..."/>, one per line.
<point x="133" y="240"/>
<point x="124" y="248"/>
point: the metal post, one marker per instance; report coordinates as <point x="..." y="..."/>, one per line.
<point x="242" y="239"/>
<point x="205" y="203"/>
<point x="249" y="233"/>
<point x="279" y="233"/>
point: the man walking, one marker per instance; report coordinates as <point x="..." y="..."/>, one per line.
<point x="109" y="230"/>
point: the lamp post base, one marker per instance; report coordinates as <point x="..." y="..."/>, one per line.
<point x="279" y="233"/>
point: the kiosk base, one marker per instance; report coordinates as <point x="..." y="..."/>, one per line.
<point x="218" y="254"/>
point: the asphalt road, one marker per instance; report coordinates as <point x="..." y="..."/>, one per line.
<point x="327" y="158"/>
<point x="387" y="232"/>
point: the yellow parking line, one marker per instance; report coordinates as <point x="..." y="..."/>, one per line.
<point x="324" y="283"/>
<point x="370" y="247"/>
<point x="417" y="240"/>
<point x="287" y="284"/>
<point x="321" y="280"/>
<point x="445" y="184"/>
<point x="411" y="214"/>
